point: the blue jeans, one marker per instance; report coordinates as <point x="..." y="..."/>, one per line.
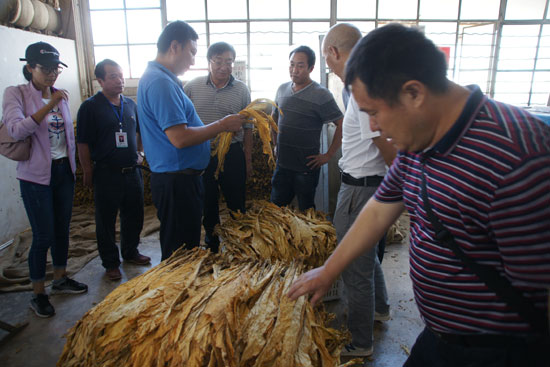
<point x="363" y="278"/>
<point x="287" y="183"/>
<point x="49" y="208"/>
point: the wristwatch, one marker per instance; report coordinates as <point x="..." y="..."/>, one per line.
<point x="142" y="154"/>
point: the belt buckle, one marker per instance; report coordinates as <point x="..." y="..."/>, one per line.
<point x="127" y="169"/>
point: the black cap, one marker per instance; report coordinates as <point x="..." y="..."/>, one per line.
<point x="42" y="53"/>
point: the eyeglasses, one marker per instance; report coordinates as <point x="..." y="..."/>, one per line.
<point x="50" y="69"/>
<point x="220" y="63"/>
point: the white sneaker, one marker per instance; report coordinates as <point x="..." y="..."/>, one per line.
<point x="382" y="316"/>
<point x="349" y="350"/>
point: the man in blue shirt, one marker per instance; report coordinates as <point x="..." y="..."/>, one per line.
<point x="175" y="140"/>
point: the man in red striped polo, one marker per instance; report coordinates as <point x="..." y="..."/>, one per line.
<point x="474" y="175"/>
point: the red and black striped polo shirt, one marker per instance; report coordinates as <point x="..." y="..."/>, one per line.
<point x="488" y="181"/>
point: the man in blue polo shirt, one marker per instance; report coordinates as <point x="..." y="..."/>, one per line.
<point x="108" y="146"/>
<point x="176" y="142"/>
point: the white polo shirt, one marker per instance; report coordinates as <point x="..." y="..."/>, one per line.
<point x="360" y="156"/>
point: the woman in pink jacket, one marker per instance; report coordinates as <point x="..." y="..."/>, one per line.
<point x="41" y="111"/>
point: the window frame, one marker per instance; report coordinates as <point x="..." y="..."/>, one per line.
<point x="492" y="70"/>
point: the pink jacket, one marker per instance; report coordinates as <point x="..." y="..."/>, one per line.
<point x="20" y="125"/>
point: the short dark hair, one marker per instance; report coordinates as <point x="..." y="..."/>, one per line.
<point x="219" y="48"/>
<point x="309" y="53"/>
<point x="100" y="68"/>
<point x="175" y="31"/>
<point x="391" y="55"/>
<point x="27" y="74"/>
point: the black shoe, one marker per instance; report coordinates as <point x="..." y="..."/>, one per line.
<point x="41" y="306"/>
<point x="68" y="285"/>
<point x="212" y="242"/>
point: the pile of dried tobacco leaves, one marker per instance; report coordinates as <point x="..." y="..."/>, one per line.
<point x="227" y="309"/>
<point x="267" y="231"/>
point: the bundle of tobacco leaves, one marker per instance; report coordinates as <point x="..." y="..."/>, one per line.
<point x="264" y="123"/>
<point x="202" y="309"/>
<point x="258" y="185"/>
<point x="267" y="231"/>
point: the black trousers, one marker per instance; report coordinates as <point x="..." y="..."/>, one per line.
<point x="115" y="191"/>
<point x="430" y="350"/>
<point x="178" y="198"/>
<point x="232" y="182"/>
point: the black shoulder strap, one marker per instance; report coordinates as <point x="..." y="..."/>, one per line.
<point x="489" y="275"/>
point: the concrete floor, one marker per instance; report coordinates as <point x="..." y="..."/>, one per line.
<point x="40" y="343"/>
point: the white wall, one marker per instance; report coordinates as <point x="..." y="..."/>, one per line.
<point x="13" y="218"/>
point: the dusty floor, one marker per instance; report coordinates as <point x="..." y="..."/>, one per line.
<point x="40" y="343"/>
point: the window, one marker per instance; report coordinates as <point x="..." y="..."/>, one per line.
<point x="307" y="9"/>
<point x="177" y="9"/>
<point x="263" y="33"/>
<point x="516" y="63"/>
<point x="438" y="9"/>
<point x="220" y="9"/>
<point x="118" y="32"/>
<point x="397" y="9"/>
<point x="525" y="9"/>
<point x="475" y="55"/>
<point x="269" y="48"/>
<point x="351" y="8"/>
<point x="269" y="9"/>
<point x="476" y="9"/>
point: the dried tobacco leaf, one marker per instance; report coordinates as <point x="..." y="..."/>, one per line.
<point x="270" y="232"/>
<point x="180" y="314"/>
<point x="227" y="309"/>
<point x="256" y="114"/>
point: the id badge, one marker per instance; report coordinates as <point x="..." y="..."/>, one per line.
<point x="121" y="140"/>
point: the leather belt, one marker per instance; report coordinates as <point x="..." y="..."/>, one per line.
<point x="60" y="160"/>
<point x="122" y="170"/>
<point x="363" y="181"/>
<point x="187" y="171"/>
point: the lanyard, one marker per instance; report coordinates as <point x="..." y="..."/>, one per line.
<point x="121" y="115"/>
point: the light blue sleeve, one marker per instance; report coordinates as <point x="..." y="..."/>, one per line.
<point x="167" y="102"/>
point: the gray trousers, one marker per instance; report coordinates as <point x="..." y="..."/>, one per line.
<point x="365" y="287"/>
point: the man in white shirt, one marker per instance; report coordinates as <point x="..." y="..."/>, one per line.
<point x="363" y="166"/>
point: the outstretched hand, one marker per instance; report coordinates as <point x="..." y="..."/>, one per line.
<point x="314" y="282"/>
